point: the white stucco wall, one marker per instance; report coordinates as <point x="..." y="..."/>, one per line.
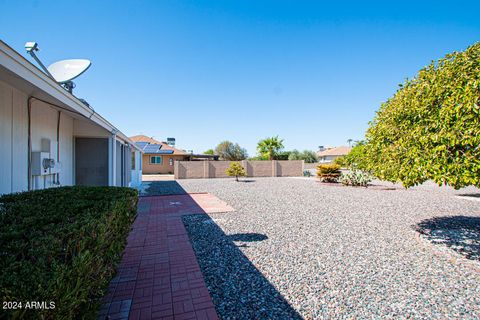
<point x="327" y="159"/>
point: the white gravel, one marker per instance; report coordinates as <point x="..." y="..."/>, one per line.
<point x="331" y="251"/>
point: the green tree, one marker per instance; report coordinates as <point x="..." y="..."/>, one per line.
<point x="282" y="155"/>
<point x="295" y="155"/>
<point x="236" y="170"/>
<point x="210" y="152"/>
<point x="307" y="155"/>
<point x="356" y="158"/>
<point x="228" y="150"/>
<point x="430" y="128"/>
<point x="270" y="147"/>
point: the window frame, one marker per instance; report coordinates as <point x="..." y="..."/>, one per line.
<point x="156" y="157"/>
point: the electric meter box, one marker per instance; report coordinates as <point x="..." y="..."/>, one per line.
<point x="42" y="163"/>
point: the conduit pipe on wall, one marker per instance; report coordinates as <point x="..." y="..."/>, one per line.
<point x="29" y="138"/>
<point x="58" y="148"/>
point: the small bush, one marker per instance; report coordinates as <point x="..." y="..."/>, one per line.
<point x="62" y="245"/>
<point x="236" y="170"/>
<point x="328" y="172"/>
<point x="356" y="178"/>
<point x="307" y="173"/>
<point x="341" y="161"/>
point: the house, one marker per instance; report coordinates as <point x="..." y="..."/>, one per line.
<point x="328" y="155"/>
<point x="50" y="138"/>
<point x="158" y="156"/>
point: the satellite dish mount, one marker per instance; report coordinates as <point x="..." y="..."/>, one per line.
<point x="62" y="72"/>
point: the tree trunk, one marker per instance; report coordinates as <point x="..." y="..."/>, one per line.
<point x="236" y="178"/>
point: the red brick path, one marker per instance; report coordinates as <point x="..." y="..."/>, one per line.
<point x="159" y="276"/>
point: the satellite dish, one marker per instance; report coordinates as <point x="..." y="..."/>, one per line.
<point x="65" y="71"/>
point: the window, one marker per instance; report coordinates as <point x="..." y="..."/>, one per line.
<point x="133" y="160"/>
<point x="156" y="160"/>
<point x="170" y="161"/>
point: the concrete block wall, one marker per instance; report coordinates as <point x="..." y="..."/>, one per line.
<point x="217" y="169"/>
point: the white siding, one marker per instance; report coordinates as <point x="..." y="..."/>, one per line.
<point x="6" y="121"/>
<point x="19" y="147"/>
<point x="14" y="139"/>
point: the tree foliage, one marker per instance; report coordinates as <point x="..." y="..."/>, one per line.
<point x="270" y="147"/>
<point x="430" y="128"/>
<point x="210" y="152"/>
<point x="355" y="158"/>
<point x="228" y="150"/>
<point x="307" y="155"/>
<point x="236" y="170"/>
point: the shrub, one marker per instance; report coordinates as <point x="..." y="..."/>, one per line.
<point x="62" y="245"/>
<point x="355" y="178"/>
<point x="430" y="128"/>
<point x="307" y="173"/>
<point x="328" y="172"/>
<point x="236" y="170"/>
<point x="341" y="161"/>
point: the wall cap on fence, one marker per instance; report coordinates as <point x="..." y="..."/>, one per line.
<point x="255" y="168"/>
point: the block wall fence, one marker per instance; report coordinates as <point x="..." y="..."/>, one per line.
<point x="217" y="169"/>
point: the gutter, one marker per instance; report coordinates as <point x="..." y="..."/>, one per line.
<point x="18" y="65"/>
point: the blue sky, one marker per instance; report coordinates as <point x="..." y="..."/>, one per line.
<point x="204" y="71"/>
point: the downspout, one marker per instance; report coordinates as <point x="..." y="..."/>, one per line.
<point x="29" y="128"/>
<point x="58" y="147"/>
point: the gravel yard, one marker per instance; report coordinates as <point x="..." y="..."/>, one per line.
<point x="298" y="248"/>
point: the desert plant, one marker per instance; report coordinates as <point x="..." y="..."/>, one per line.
<point x="307" y="173"/>
<point x="355" y="177"/>
<point x="430" y="128"/>
<point x="235" y="169"/>
<point x="328" y="172"/>
<point x="270" y="147"/>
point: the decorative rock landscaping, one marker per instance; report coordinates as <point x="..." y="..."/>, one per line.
<point x="295" y="247"/>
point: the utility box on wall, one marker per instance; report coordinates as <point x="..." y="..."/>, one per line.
<point x="42" y="164"/>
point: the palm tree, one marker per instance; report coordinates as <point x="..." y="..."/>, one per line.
<point x="349" y="141"/>
<point x="270" y="146"/>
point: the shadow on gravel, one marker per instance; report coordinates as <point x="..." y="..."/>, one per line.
<point x="460" y="233"/>
<point x="239" y="290"/>
<point x="162" y="188"/>
<point x="470" y="195"/>
<point x="247" y="237"/>
<point x="246" y="180"/>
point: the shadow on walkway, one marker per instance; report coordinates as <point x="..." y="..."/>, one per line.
<point x="161" y="188"/>
<point x="162" y="276"/>
<point x="239" y="290"/>
<point x="460" y="233"/>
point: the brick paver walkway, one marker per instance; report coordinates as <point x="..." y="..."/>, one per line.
<point x="159" y="276"/>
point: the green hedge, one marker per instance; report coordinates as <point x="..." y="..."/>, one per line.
<point x="62" y="245"/>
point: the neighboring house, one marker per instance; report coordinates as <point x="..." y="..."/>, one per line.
<point x="158" y="156"/>
<point x="49" y="138"/>
<point x="328" y="155"/>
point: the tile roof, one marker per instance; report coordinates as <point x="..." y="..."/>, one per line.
<point x="338" y="151"/>
<point x="162" y="146"/>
